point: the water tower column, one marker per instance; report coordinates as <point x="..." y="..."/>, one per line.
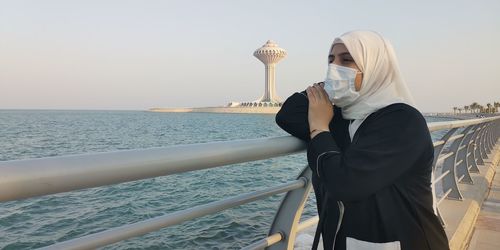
<point x="270" y="54"/>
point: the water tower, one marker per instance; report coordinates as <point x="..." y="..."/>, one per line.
<point x="270" y="54"/>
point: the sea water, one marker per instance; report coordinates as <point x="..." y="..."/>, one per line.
<point x="41" y="221"/>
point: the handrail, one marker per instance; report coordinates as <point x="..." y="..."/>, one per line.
<point x="35" y="177"/>
<point x="21" y="179"/>
<point x="435" y="126"/>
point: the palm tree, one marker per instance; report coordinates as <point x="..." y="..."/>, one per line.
<point x="460" y="110"/>
<point x="496" y="105"/>
<point x="474" y="106"/>
<point x="455" y="110"/>
<point x="466" y="108"/>
<point x="489" y="107"/>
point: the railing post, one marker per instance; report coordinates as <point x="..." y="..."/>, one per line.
<point x="491" y="135"/>
<point x="497" y="131"/>
<point x="450" y="185"/>
<point x="434" y="201"/>
<point x="461" y="160"/>
<point x="482" y="144"/>
<point x="289" y="213"/>
<point x="487" y="144"/>
<point x="489" y="139"/>
<point x="497" y="128"/>
<point x="471" y="151"/>
<point x="493" y="131"/>
<point x="477" y="146"/>
<point x="437" y="152"/>
<point x="494" y="134"/>
<point x="439" y="148"/>
<point x="497" y="134"/>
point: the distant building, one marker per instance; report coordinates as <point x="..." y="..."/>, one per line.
<point x="269" y="54"/>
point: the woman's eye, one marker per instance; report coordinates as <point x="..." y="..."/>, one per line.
<point x="347" y="61"/>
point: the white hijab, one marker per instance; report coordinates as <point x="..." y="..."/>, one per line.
<point x="382" y="83"/>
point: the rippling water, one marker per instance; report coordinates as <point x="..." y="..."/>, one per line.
<point x="38" y="222"/>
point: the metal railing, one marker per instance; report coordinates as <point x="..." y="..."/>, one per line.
<point x="21" y="179"/>
<point x="468" y="142"/>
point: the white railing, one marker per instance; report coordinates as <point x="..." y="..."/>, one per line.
<point x="21" y="179"/>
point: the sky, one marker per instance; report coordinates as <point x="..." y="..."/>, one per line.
<point x="136" y="55"/>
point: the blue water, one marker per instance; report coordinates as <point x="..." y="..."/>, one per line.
<point x="38" y="222"/>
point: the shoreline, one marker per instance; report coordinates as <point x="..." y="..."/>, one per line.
<point x="240" y="110"/>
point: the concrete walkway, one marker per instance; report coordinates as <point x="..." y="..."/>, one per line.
<point x="461" y="215"/>
<point x="486" y="234"/>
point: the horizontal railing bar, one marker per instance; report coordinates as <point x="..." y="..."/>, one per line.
<point x="460" y="179"/>
<point x="142" y="227"/>
<point x="441" y="177"/>
<point x="435" y="126"/>
<point x="468" y="154"/>
<point x="455" y="137"/>
<point x="262" y="244"/>
<point x="437" y="143"/>
<point x="458" y="163"/>
<point x="445" y="195"/>
<point x="28" y="178"/>
<point x="308" y="223"/>
<point x="444" y="157"/>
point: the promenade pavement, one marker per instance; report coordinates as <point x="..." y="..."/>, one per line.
<point x="486" y="234"/>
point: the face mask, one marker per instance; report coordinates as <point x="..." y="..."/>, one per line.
<point x="339" y="85"/>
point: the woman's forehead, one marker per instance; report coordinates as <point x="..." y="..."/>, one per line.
<point x="338" y="48"/>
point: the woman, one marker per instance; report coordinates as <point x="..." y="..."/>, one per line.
<point x="370" y="152"/>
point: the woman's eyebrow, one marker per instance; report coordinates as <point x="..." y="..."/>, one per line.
<point x="341" y="54"/>
<point x="345" y="54"/>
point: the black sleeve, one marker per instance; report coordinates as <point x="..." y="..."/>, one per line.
<point x="292" y="117"/>
<point x="389" y="145"/>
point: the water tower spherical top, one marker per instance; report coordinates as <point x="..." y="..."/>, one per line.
<point x="270" y="53"/>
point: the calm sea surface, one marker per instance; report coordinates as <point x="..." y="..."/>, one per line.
<point x="38" y="222"/>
